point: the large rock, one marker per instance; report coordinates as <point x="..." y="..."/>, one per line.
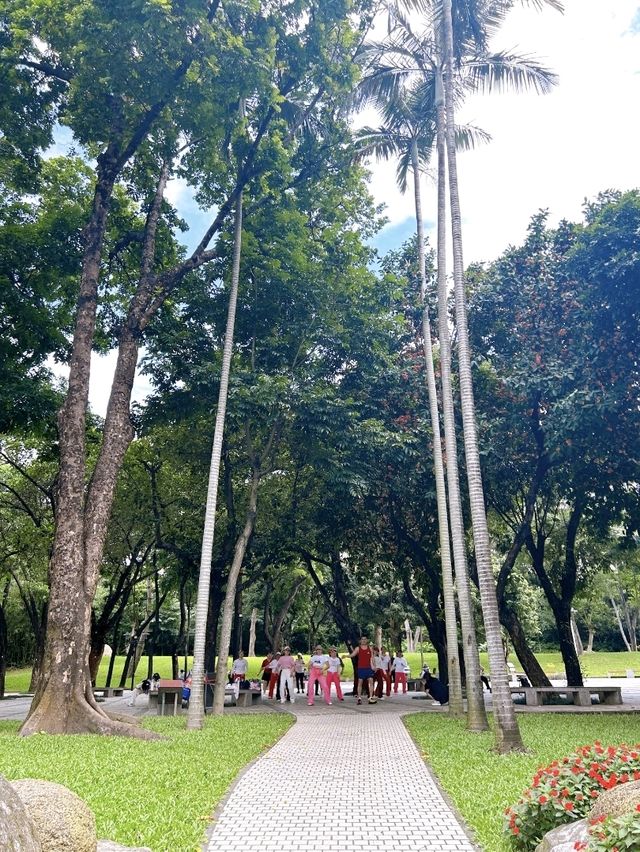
<point x="619" y="800"/>
<point x="17" y="830"/>
<point x="564" y="837"/>
<point x="63" y="821"/>
<point x="110" y="846"/>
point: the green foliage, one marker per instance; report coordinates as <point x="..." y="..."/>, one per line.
<point x="482" y="783"/>
<point x="564" y="791"/>
<point x="157" y="794"/>
<point x="613" y="833"/>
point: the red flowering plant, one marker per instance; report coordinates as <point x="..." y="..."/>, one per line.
<point x="613" y="833"/>
<point x="565" y="791"/>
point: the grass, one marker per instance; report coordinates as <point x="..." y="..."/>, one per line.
<point x="482" y="783"/>
<point x="598" y="664"/>
<point x="157" y="794"/>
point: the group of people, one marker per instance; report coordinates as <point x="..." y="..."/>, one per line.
<point x="283" y="675"/>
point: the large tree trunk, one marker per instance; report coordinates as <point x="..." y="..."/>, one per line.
<point x="507" y="732"/>
<point x="453" y="663"/>
<point x="476" y="713"/>
<point x="64" y="702"/>
<point x="525" y="655"/>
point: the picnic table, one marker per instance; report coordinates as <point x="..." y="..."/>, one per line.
<point x="172" y="689"/>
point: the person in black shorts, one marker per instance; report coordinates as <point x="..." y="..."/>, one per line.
<point x="366" y="673"/>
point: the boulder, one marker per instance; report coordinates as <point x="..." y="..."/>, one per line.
<point x="63" y="821"/>
<point x="110" y="846"/>
<point x="617" y="801"/>
<point x="564" y="837"/>
<point x="17" y="830"/>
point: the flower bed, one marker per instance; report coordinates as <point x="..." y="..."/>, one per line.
<point x="565" y="791"/>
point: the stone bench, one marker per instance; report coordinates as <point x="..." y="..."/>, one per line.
<point x="109" y="691"/>
<point x="535" y="696"/>
<point x="415" y="684"/>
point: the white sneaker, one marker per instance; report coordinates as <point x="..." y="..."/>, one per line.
<point x="293" y="701"/>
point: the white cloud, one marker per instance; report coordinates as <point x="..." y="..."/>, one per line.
<point x="549" y="151"/>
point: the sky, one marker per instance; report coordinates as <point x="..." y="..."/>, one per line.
<point x="547" y="152"/>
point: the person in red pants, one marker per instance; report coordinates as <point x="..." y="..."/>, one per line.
<point x="401" y="667"/>
<point x="275" y="674"/>
<point x="333" y="673"/>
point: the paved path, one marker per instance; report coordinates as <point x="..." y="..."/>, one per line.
<point x="334" y="763"/>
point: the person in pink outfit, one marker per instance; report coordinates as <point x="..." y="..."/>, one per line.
<point x="285" y="668"/>
<point x="333" y="673"/>
<point x="318" y="665"/>
<point x="401" y="667"/>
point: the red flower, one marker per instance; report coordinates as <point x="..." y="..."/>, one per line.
<point x="544" y="799"/>
<point x="568" y="806"/>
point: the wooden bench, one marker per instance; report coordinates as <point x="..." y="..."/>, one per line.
<point x="109" y="691"/>
<point x="535" y="696"/>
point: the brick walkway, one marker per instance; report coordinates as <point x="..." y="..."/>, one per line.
<point x="305" y="793"/>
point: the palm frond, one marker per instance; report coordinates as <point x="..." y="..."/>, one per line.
<point x="468" y="136"/>
<point x="508" y="70"/>
<point x="378" y="142"/>
<point x="402" y="169"/>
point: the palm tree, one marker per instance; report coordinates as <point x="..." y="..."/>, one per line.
<point x="196" y="703"/>
<point x="507" y="731"/>
<point x="406" y="54"/>
<point x="410" y="137"/>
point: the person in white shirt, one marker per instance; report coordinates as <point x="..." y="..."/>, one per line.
<point x="401" y="667"/>
<point x="285" y="668"/>
<point x="239" y="668"/>
<point x="318" y="665"/>
<point x="382" y="666"/>
<point x="333" y="673"/>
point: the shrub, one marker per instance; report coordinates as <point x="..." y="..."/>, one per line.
<point x="565" y="790"/>
<point x="613" y="833"/>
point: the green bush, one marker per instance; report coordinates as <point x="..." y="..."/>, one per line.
<point x="613" y="833"/>
<point x="564" y="791"/>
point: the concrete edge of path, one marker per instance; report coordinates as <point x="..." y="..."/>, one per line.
<point x="223" y="801"/>
<point x="447" y="798"/>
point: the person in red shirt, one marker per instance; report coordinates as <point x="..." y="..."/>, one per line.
<point x="366" y="673"/>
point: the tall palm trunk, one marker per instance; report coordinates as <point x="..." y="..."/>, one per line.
<point x="507" y="731"/>
<point x="230" y="596"/>
<point x="196" y="703"/>
<point x="476" y="713"/>
<point x="453" y="662"/>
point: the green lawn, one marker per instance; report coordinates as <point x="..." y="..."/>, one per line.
<point x="157" y="794"/>
<point x="482" y="783"/>
<point x="598" y="664"/>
